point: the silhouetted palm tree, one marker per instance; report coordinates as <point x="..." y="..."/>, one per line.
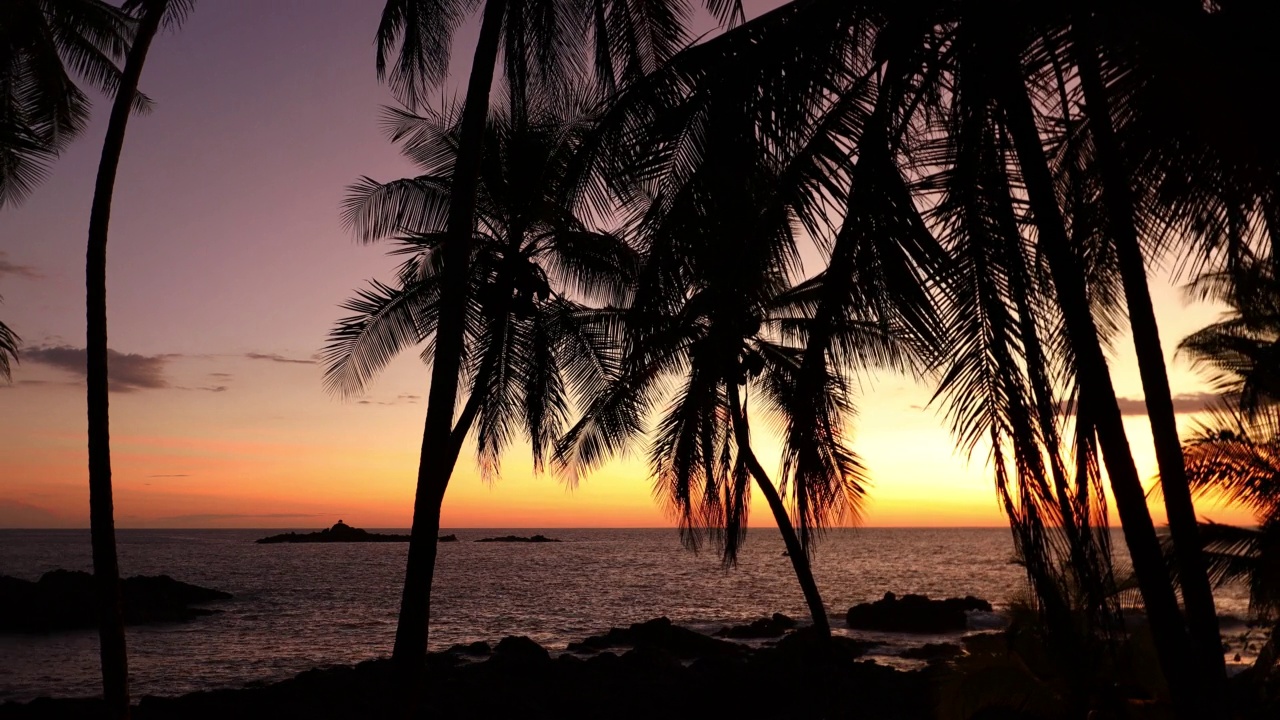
<point x="9" y="342"/>
<point x="982" y="76"/>
<point x="542" y="45"/>
<point x="529" y="342"/>
<point x="47" y="44"/>
<point x="1243" y="348"/>
<point x="1236" y="458"/>
<point x="152" y="15"/>
<point x="716" y="319"/>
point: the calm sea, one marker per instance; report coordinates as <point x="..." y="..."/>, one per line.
<point x="302" y="606"/>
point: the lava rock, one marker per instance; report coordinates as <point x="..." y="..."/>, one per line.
<point x="773" y="627"/>
<point x="661" y="634"/>
<point x="518" y="539"/>
<point x="933" y="651"/>
<point x="914" y="614"/>
<point x="63" y="600"/>
<point x="520" y="649"/>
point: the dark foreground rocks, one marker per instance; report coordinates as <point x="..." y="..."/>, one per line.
<point x="770" y="627"/>
<point x="796" y="679"/>
<point x="63" y="600"/>
<point x="519" y="539"/>
<point x="340" y="532"/>
<point x="662" y="635"/>
<point x="914" y="614"/>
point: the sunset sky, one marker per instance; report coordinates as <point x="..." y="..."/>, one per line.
<point x="227" y="265"/>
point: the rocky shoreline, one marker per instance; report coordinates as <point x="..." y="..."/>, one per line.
<point x="650" y="669"/>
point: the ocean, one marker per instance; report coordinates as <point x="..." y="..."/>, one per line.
<point x="300" y="606"/>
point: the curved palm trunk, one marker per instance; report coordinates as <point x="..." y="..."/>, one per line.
<point x="796" y="551"/>
<point x="1161" y="604"/>
<point x="1197" y="594"/>
<point x="437" y="457"/>
<point x="106" y="567"/>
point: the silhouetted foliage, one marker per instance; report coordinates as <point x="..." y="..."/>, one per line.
<point x="46" y="46"/>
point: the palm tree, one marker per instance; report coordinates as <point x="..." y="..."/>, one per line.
<point x="541" y="44"/>
<point x="9" y="342"/>
<point x="1243" y="348"/>
<point x="530" y="343"/>
<point x="151" y="14"/>
<point x="986" y="67"/>
<point x="46" y="44"/>
<point x="717" y="318"/>
<point x="1235" y="458"/>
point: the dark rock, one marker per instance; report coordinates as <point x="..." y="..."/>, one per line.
<point x="447" y="538"/>
<point x="521" y="649"/>
<point x="660" y="633"/>
<point x="340" y="532"/>
<point x="933" y="651"/>
<point x="478" y="647"/>
<point x="518" y="539"/>
<point x="773" y="627"/>
<point x="914" y="613"/>
<point x="807" y="643"/>
<point x="63" y="600"/>
<point x="646" y="682"/>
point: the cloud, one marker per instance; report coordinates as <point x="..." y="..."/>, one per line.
<point x="126" y="372"/>
<point x="23" y="271"/>
<point x="1183" y="403"/>
<point x="168" y="476"/>
<point x="401" y="399"/>
<point x="273" y="357"/>
<point x="221" y="376"/>
<point x="208" y="388"/>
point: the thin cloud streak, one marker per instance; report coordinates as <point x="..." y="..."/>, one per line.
<point x="276" y="358"/>
<point x="126" y="372"/>
<point x="9" y="269"/>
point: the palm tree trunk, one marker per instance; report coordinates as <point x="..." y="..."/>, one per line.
<point x="435" y="465"/>
<point x="102" y="525"/>
<point x="1197" y="594"/>
<point x="796" y="551"/>
<point x="1161" y="604"/>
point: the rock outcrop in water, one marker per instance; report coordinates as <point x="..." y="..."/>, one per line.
<point x="914" y="614"/>
<point x="341" y="532"/>
<point x="660" y="634"/>
<point x="771" y="627"/>
<point x="447" y="538"/>
<point x="63" y="600"/>
<point x="519" y="539"/>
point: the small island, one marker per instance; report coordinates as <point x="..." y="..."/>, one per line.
<point x="518" y="539"/>
<point x="341" y="532"/>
